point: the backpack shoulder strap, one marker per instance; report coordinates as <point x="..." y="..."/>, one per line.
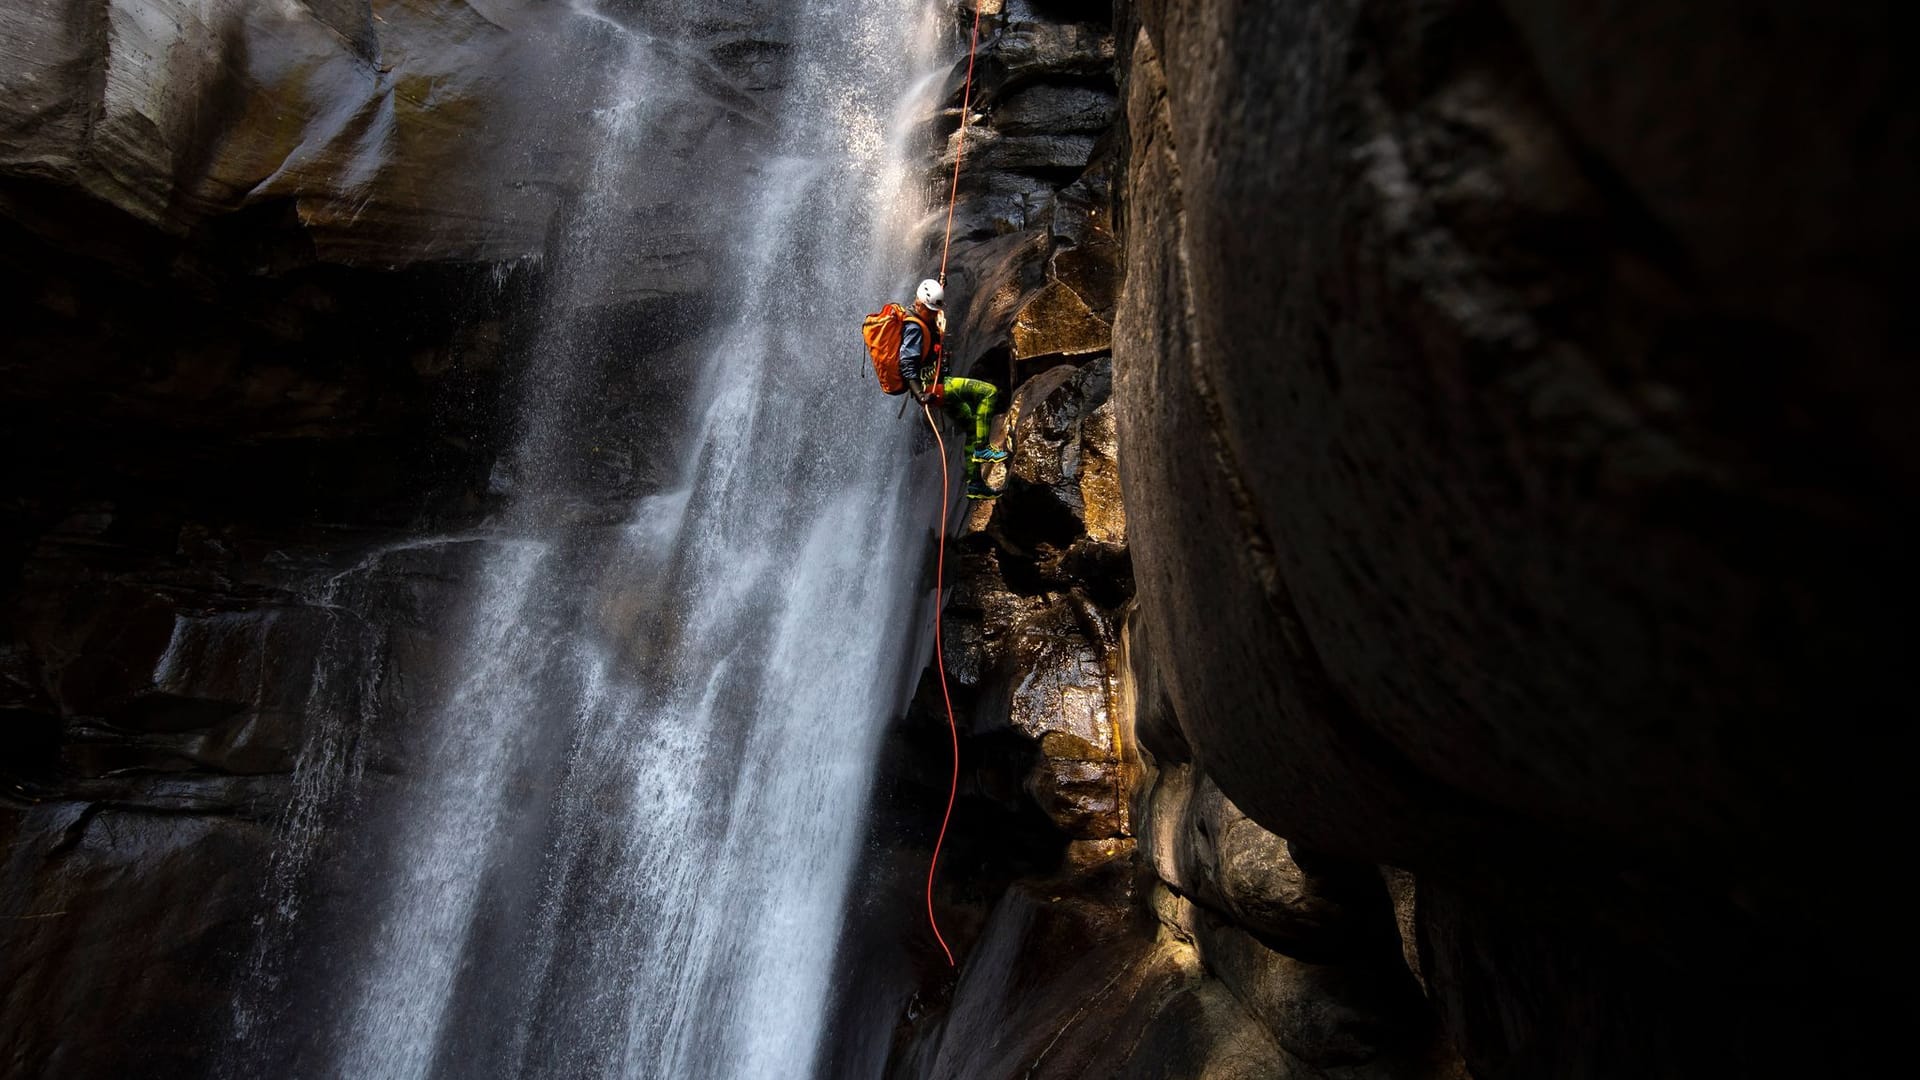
<point x="928" y="338"/>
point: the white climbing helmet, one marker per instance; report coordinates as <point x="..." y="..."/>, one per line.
<point x="931" y="294"/>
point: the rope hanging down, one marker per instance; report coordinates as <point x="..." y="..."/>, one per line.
<point x="940" y="661"/>
<point x="946" y="498"/>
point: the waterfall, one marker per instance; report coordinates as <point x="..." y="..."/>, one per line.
<point x="624" y="834"/>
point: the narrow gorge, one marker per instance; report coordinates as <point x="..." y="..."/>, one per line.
<point x="469" y="610"/>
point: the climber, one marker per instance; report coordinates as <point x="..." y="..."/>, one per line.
<point x="969" y="401"/>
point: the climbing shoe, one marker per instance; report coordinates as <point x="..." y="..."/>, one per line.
<point x="978" y="490"/>
<point x="989" y="453"/>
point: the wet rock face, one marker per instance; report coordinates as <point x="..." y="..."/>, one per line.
<point x="1115" y="914"/>
<point x="184" y="711"/>
<point x="396" y="131"/>
<point x="1031" y="627"/>
<point x="1202" y="845"/>
<point x="1049" y="628"/>
<point x="1303" y="941"/>
<point x="1062" y="506"/>
<point x="1508" y="505"/>
<point x="302" y="229"/>
<point x="1107" y="1000"/>
<point x="1243" y="960"/>
<point x="272" y="274"/>
<point x="1036" y="265"/>
<point x="173" y="111"/>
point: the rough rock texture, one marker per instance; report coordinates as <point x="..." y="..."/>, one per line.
<point x="162" y="680"/>
<point x="1514" y="457"/>
<point x="1310" y="950"/>
<point x="271" y="272"/>
<point x="1243" y="958"/>
<point x="1115" y="915"/>
<point x="1111" y="1000"/>
<point x="205" y="470"/>
<point x="1031" y="635"/>
<point x="1202" y="846"/>
<point x="1509" y="406"/>
<point x="394" y="131"/>
<point x="1044" y="656"/>
<point x="1035" y="269"/>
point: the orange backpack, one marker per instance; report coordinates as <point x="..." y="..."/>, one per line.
<point x="882" y="331"/>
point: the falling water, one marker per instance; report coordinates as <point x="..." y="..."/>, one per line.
<point x="624" y="836"/>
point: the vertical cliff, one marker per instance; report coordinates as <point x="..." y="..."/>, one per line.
<point x="1539" y="494"/>
<point x="1117" y="915"/>
<point x="1507" y="403"/>
<point x="271" y="271"/>
<point x="1443" y="615"/>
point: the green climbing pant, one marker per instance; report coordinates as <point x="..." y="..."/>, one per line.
<point x="971" y="401"/>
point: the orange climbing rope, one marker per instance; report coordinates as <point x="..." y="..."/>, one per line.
<point x="946" y="498"/>
<point x="940" y="661"/>
<point x="960" y="151"/>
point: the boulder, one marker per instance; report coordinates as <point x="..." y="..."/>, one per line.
<point x="1054" y="991"/>
<point x="1057" y="322"/>
<point x="1203" y="846"/>
<point x="1062" y="698"/>
<point x="1063" y="507"/>
<point x="1350" y="1020"/>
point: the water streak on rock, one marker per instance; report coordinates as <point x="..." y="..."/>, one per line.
<point x="621" y="841"/>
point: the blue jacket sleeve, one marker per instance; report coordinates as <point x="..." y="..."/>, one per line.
<point x="911" y="349"/>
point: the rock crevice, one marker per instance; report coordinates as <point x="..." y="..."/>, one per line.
<point x="1159" y="932"/>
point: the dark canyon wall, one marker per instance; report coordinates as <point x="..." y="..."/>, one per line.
<point x="270" y="274"/>
<point x="1116" y="915"/>
<point x="1510" y="400"/>
<point x="1489" y="669"/>
<point x="1510" y="419"/>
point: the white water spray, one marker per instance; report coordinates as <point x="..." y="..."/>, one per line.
<point x="624" y="843"/>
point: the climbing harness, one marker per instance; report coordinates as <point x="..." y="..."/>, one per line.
<point x="946" y="498"/>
